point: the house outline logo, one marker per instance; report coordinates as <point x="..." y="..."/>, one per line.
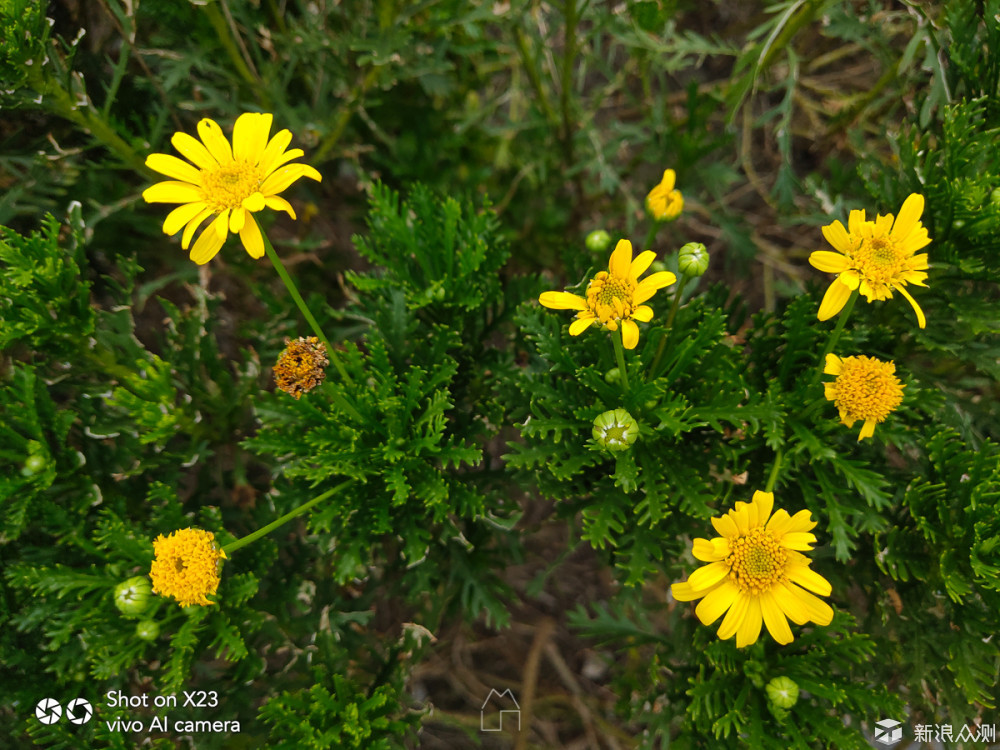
<point x="889" y="731"/>
<point x="498" y="706"/>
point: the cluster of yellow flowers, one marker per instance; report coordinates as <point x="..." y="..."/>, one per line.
<point x="756" y="573"/>
<point x="873" y="258"/>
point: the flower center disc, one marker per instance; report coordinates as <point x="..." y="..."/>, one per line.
<point x="610" y="297"/>
<point x="229" y="185"/>
<point x="756" y="561"/>
<point x="879" y="260"/>
<point x="867" y="389"/>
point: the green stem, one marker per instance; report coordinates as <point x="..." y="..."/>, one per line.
<point x="835" y="336"/>
<point x="566" y="82"/>
<point x="653" y="227"/>
<point x="222" y="31"/>
<point x="57" y="99"/>
<point x="775" y="468"/>
<point x="307" y="314"/>
<point x="670" y="321"/>
<point x="616" y="339"/>
<point x="240" y="543"/>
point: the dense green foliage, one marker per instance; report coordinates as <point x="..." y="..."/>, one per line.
<point x="467" y="150"/>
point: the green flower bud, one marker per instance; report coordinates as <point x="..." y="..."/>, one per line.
<point x="132" y="596"/>
<point x="613" y="376"/>
<point x="615" y="430"/>
<point x="693" y="259"/>
<point x="598" y="241"/>
<point x="783" y="692"/>
<point x="33" y="465"/>
<point x="995" y="196"/>
<point x="148" y="630"/>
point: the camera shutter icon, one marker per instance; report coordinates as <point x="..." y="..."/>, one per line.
<point x="888" y="731"/>
<point x="79" y="711"/>
<point x="48" y="711"/>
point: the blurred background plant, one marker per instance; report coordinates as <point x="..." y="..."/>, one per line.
<point x="486" y="540"/>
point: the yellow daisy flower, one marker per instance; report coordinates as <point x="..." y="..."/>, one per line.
<point x="875" y="256"/>
<point x="663" y="202"/>
<point x="186" y="566"/>
<point x="228" y="182"/>
<point x="614" y="297"/>
<point x="865" y="388"/>
<point x="756" y="573"/>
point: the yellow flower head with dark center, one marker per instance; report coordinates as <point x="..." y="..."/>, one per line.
<point x="664" y="203"/>
<point x="865" y="388"/>
<point x="756" y="574"/>
<point x="614" y="297"/>
<point x="301" y="365"/>
<point x="186" y="566"/>
<point x="875" y="257"/>
<point x="230" y="183"/>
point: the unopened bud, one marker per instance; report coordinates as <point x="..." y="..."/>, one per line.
<point x="615" y="430"/>
<point x="598" y="241"/>
<point x="693" y="259"/>
<point x="148" y="630"/>
<point x="132" y="596"/>
<point x="783" y="692"/>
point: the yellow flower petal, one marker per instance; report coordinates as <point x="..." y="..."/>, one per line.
<point x="630" y="334"/>
<point x="717" y="601"/>
<point x="211" y="135"/>
<point x="706" y="551"/>
<point x="284" y="177"/>
<point x="764" y="502"/>
<point x="741" y="515"/>
<point x="909" y="217"/>
<point x="255" y="202"/>
<point x="172" y="192"/>
<point x="682" y="592"/>
<point x="707" y="576"/>
<point x="643" y="314"/>
<point x="734" y="618"/>
<point x="194" y="151"/>
<point x="749" y="630"/>
<point x="867" y="429"/>
<point x="642" y="261"/>
<point x="774" y="619"/>
<point x="801" y="540"/>
<point x="207" y="246"/>
<point x="621" y="259"/>
<point x="181" y="215"/>
<point x="275" y="148"/>
<point x="793" y="607"/>
<point x="837" y="236"/>
<point x="921" y="320"/>
<point x="192" y="226"/>
<point x="562" y="301"/>
<point x="277" y="203"/>
<point x="824" y="260"/>
<point x="810" y="579"/>
<point x="818" y="611"/>
<point x="725" y="525"/>
<point x="834" y="300"/>
<point x="833" y="365"/>
<point x="580" y="325"/>
<point x="237" y="219"/>
<point x="221" y="225"/>
<point x="251" y="237"/>
<point x="250" y="135"/>
<point x="171" y="166"/>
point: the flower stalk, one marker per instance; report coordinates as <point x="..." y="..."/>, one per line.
<point x="265" y="530"/>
